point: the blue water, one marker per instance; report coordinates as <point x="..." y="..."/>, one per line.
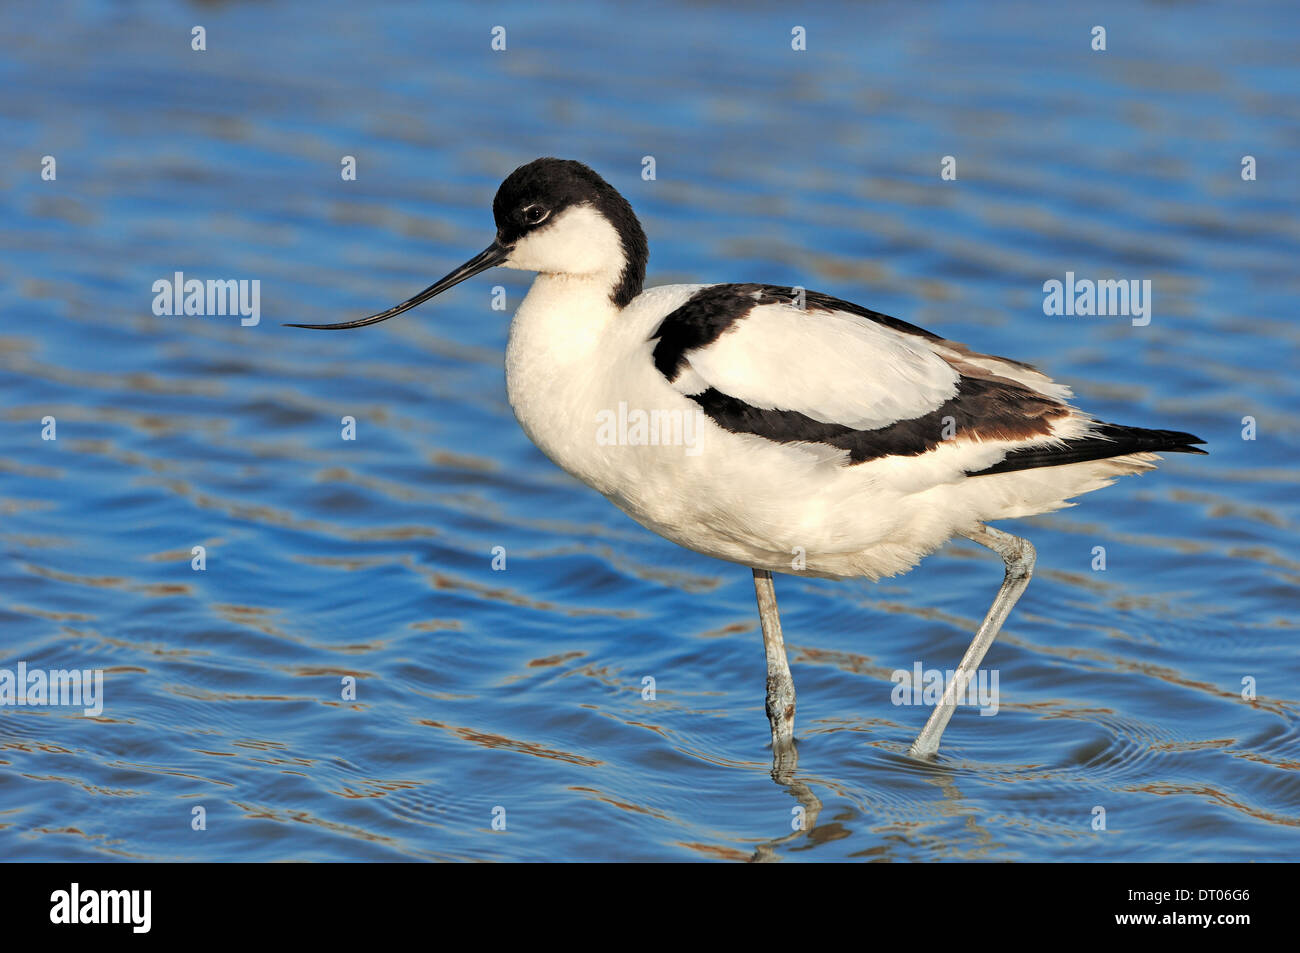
<point x="521" y="689"/>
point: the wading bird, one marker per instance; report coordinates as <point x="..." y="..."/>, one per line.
<point x="855" y="440"/>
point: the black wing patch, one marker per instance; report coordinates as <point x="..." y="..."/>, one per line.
<point x="981" y="410"/>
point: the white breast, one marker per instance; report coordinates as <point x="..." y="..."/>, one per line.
<point x="572" y="355"/>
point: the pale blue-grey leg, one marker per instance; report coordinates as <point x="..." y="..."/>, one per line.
<point x="780" y="685"/>
<point x="1018" y="554"/>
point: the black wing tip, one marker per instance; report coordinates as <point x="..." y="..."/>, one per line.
<point x="1106" y="443"/>
<point x="1142" y="439"/>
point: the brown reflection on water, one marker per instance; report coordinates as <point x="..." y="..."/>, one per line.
<point x="489" y="740"/>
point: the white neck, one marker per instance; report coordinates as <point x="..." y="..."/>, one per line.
<point x="553" y="343"/>
<point x="563" y="316"/>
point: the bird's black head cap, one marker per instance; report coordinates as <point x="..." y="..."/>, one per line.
<point x="534" y="194"/>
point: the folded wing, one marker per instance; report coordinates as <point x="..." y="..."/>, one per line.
<point x="800" y="367"/>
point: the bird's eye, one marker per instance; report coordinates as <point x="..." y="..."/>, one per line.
<point x="535" y="214"/>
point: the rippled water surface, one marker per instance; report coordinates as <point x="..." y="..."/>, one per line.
<point x="522" y="689"/>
